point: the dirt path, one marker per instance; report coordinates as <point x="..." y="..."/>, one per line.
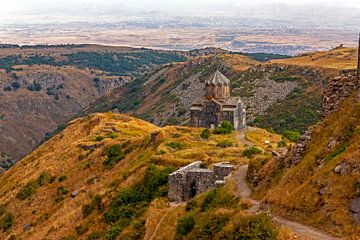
<point x="299" y="229"/>
<point x="159" y="224"/>
<point x="242" y="137"/>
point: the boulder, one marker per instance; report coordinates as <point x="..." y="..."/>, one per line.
<point x="74" y="193"/>
<point x="355" y="205"/>
<point x="26" y="227"/>
<point x="342" y="168"/>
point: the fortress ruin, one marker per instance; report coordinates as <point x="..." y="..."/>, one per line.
<point x="193" y="179"/>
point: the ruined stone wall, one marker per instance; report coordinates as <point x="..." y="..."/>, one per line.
<point x="339" y="88"/>
<point x="201" y="179"/>
<point x="191" y="180"/>
<point x="222" y="170"/>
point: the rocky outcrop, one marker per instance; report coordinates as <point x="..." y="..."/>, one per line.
<point x="355" y="209"/>
<point x="339" y="88"/>
<point x="299" y="149"/>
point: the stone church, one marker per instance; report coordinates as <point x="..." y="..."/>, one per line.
<point x="217" y="105"/>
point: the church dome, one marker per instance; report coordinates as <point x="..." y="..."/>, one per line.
<point x="217" y="79"/>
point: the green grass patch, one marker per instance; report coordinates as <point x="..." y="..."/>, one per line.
<point x="114" y="154"/>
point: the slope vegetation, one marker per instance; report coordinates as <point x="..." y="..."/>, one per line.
<point x="43" y="87"/>
<point x="321" y="189"/>
<point x="105" y="177"/>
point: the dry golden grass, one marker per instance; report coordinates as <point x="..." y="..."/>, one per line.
<point x="338" y="58"/>
<point x="65" y="155"/>
<point x="297" y="195"/>
<point x="238" y="63"/>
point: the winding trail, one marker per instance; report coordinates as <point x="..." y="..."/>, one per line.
<point x="244" y="192"/>
<point x="152" y="237"/>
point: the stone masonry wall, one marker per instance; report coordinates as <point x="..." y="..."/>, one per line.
<point x="191" y="180"/>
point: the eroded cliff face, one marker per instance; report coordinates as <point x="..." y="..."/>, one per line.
<point x="37" y="100"/>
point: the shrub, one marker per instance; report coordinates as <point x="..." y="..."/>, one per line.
<point x="205" y="134"/>
<point x="112" y="135"/>
<point x="130" y="203"/>
<point x="291" y="136"/>
<point x="7" y="89"/>
<point x="16" y="85"/>
<point x="225" y="128"/>
<point x="99" y="138"/>
<point x="255" y="227"/>
<point x="94" y="236"/>
<point x="209" y="227"/>
<point x="185" y="225"/>
<point x="250" y="152"/>
<point x="35" y="87"/>
<point x="31" y="187"/>
<point x="337" y="152"/>
<point x="224" y="144"/>
<point x="95" y="204"/>
<point x="61" y="192"/>
<point x="175" y="145"/>
<point x="62" y="178"/>
<point x="161" y="152"/>
<point x="7" y="221"/>
<point x="114" y="155"/>
<point x="282" y="143"/>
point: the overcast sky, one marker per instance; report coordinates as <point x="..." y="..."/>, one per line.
<point x="20" y="5"/>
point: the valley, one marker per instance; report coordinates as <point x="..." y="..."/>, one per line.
<point x="90" y="172"/>
<point x="42" y="88"/>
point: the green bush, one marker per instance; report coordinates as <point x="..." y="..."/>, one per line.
<point x="205" y="134"/>
<point x="224" y="144"/>
<point x="112" y="135"/>
<point x="209" y="227"/>
<point x="254" y="227"/>
<point x="336" y="152"/>
<point x="130" y="203"/>
<point x="94" y="236"/>
<point x="61" y="192"/>
<point x="95" y="204"/>
<point x="185" y="225"/>
<point x="114" y="155"/>
<point x="282" y="143"/>
<point x="251" y="151"/>
<point x="161" y="152"/>
<point x="176" y="145"/>
<point x="62" y="178"/>
<point x="16" y="85"/>
<point x="291" y="136"/>
<point x="7" y="221"/>
<point x="225" y="128"/>
<point x="31" y="187"/>
<point x="218" y="198"/>
<point x="99" y="138"/>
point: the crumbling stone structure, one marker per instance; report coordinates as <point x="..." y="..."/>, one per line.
<point x="217" y="105"/>
<point x="191" y="180"/>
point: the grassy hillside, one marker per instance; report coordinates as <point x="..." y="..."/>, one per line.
<point x="339" y="58"/>
<point x="105" y="176"/>
<point x="43" y="87"/>
<point x="319" y="190"/>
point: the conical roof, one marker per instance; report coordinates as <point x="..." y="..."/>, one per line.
<point x="217" y="79"/>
